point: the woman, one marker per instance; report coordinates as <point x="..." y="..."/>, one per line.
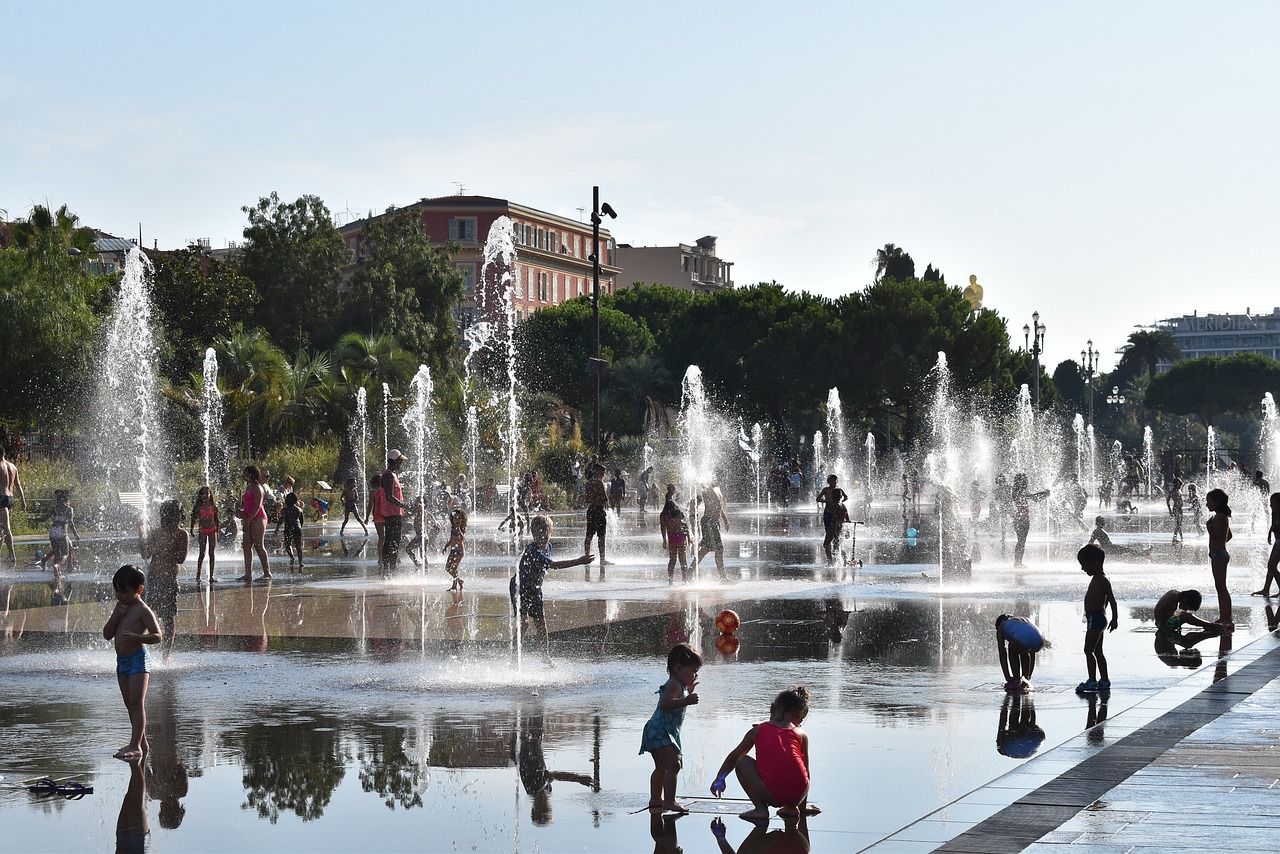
<point x="254" y="514"/>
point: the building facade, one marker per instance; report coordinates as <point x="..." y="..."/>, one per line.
<point x="552" y="264"/>
<point x="690" y="268"/>
<point x="1225" y="334"/>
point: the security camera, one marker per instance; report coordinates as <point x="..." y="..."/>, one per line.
<point x="608" y="211"/>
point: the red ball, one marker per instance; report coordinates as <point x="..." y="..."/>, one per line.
<point x="727" y="623"/>
<point x="727" y="645"/>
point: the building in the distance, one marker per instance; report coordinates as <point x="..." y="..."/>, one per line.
<point x="690" y="268"/>
<point x="1225" y="334"/>
<point x="552" y="264"/>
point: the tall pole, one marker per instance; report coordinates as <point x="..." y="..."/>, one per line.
<point x="1088" y="360"/>
<point x="595" y="304"/>
<point x="1034" y="338"/>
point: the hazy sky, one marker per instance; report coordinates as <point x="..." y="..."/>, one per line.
<point x="1107" y="164"/>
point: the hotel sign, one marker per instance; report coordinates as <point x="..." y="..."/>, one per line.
<point x="1217" y="323"/>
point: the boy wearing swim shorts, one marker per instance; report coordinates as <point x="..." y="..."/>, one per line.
<point x="1096" y="600"/>
<point x="131" y="625"/>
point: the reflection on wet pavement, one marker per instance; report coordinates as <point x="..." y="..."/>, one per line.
<point x="339" y="710"/>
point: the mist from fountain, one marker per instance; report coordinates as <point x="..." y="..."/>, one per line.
<point x="1269" y="436"/>
<point x="360" y="438"/>
<point x="386" y="420"/>
<point x="837" y="447"/>
<point x="1154" y="487"/>
<point x="418" y="423"/>
<point x="131" y="446"/>
<point x="870" y="446"/>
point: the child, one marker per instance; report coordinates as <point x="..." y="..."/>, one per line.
<point x="832" y="499"/>
<point x="596" y="520"/>
<point x="62" y="520"/>
<point x="1096" y="599"/>
<point x="291" y="519"/>
<point x="455" y="546"/>
<point x="131" y="625"/>
<point x="1169" y="620"/>
<point x="1273" y="562"/>
<point x="534" y="563"/>
<point x="1219" y="528"/>
<point x="205" y="511"/>
<point x="779" y="775"/>
<point x="1174" y="502"/>
<point x="1017" y="640"/>
<point x="674" y="536"/>
<point x="617" y="491"/>
<point x="351" y="506"/>
<point x="661" y="735"/>
<point x="1101" y="537"/>
<point x="166" y="547"/>
<point x="1193" y="498"/>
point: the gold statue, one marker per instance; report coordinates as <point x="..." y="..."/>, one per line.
<point x="973" y="293"/>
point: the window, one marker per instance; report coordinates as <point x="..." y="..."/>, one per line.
<point x="555" y="288"/>
<point x="544" y="287"/>
<point x="468" y="272"/>
<point x="462" y="228"/>
<point x="576" y="253"/>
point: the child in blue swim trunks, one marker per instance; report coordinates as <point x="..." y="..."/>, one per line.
<point x="662" y="732"/>
<point x="131" y="625"/>
<point x="1096" y="599"/>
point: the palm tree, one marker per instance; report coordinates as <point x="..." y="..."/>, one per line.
<point x="371" y="360"/>
<point x="892" y="262"/>
<point x="1147" y="347"/>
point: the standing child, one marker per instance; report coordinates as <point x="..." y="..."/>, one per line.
<point x="526" y="585"/>
<point x="1219" y="527"/>
<point x="131" y="625"/>
<point x="661" y="735"/>
<point x="779" y="774"/>
<point x="1096" y="600"/>
<point x="1193" y="498"/>
<point x="204" y="513"/>
<point x="597" y="522"/>
<point x="1273" y="539"/>
<point x="291" y="520"/>
<point x="456" y="545"/>
<point x="675" y="534"/>
<point x="1017" y="640"/>
<point x="1174" y="502"/>
<point x="351" y="506"/>
<point x="62" y="523"/>
<point x="617" y="491"/>
<point x="165" y="547"/>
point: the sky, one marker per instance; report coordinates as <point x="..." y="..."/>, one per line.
<point x="1105" y="164"/>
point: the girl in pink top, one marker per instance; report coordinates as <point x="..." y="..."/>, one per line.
<point x="254" y="514"/>
<point x="778" y="776"/>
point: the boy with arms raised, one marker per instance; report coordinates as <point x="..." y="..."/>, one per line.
<point x="131" y="625"/>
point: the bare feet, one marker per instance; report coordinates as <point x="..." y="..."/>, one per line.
<point x="128" y="754"/>
<point x="672" y="806"/>
<point x="246" y="579"/>
<point x="1261" y="593"/>
<point x="757" y="814"/>
<point x="265" y="577"/>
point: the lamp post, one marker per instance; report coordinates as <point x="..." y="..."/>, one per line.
<point x="1036" y="346"/>
<point x="1089" y="361"/>
<point x="888" y="434"/>
<point x="596" y="364"/>
<point x="1116" y="399"/>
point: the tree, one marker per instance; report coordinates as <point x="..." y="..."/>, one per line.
<point x="47" y="317"/>
<point x="932" y="275"/>
<point x="891" y="262"/>
<point x="1214" y="385"/>
<point x="1069" y="383"/>
<point x="1147" y="347"/>
<point x="198" y="300"/>
<point x="294" y="255"/>
<point x="406" y="287"/>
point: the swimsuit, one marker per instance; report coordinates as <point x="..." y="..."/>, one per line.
<point x="208" y="513"/>
<point x="132" y="664"/>
<point x="780" y="761"/>
<point x="6" y="502"/>
<point x="1220" y="553"/>
<point x="596" y="520"/>
<point x="1171" y="628"/>
<point x="663" y="727"/>
<point x="247" y="508"/>
<point x="1095" y="621"/>
<point x="1024" y="633"/>
<point x="711" y="535"/>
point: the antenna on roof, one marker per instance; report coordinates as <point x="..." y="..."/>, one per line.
<point x="580" y="210"/>
<point x="462" y="190"/>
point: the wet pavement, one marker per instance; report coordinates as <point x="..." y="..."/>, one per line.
<point x="335" y="710"/>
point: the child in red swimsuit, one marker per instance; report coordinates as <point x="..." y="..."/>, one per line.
<point x="205" y="514"/>
<point x="778" y="776"/>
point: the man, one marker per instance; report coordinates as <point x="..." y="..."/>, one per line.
<point x="392" y="508"/>
<point x="9" y="482"/>
<point x="596" y="498"/>
<point x="713" y="517"/>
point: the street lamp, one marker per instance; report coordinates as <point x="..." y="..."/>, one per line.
<point x="888" y="434"/>
<point x="1116" y="399"/>
<point x="1036" y="346"/>
<point x="596" y="365"/>
<point x="1089" y="361"/>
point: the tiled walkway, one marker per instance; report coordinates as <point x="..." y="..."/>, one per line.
<point x="1197" y="765"/>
